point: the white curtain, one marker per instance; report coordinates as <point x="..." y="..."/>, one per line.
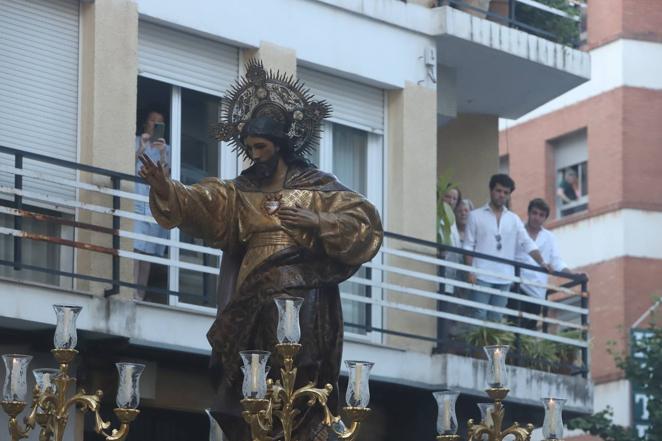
<point x="350" y="156"/>
<point x="350" y="166"/>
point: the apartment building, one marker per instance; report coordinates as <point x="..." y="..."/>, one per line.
<point x="605" y="133"/>
<point x="415" y="90"/>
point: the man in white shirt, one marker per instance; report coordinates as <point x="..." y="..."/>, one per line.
<point x="493" y="229"/>
<point x="538" y="212"/>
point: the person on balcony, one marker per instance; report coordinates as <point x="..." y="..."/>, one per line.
<point x="537" y="214"/>
<point x="153" y="145"/>
<point x="284" y="226"/>
<point x="450" y="198"/>
<point x="494" y="230"/>
<point x="464" y="207"/>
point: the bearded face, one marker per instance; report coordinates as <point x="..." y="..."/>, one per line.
<point x="265" y="169"/>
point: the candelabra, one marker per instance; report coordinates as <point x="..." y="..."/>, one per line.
<point x="264" y="399"/>
<point x="51" y="402"/>
<point x="490" y="427"/>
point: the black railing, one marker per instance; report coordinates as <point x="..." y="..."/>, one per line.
<point x="568" y="34"/>
<point x="21" y="210"/>
<point x="445" y="343"/>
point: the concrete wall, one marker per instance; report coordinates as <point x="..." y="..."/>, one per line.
<point x="107" y="124"/>
<point x="468" y="147"/>
<point x="411" y="195"/>
<point x="274" y="57"/>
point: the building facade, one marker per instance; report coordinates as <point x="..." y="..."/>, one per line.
<point x="605" y="133"/>
<point x="416" y="91"/>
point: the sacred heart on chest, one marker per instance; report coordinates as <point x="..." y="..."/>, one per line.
<point x="271" y="203"/>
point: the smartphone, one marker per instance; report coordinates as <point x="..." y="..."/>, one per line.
<point x="159" y="131"/>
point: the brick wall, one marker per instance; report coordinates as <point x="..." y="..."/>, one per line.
<point x="624" y="134"/>
<point x="531" y="158"/>
<point x="621" y="290"/>
<point x="609" y="20"/>
<point x="624" y="149"/>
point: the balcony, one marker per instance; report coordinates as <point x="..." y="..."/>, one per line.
<point x="506" y="60"/>
<point x="562" y="22"/>
<point x="69" y="241"/>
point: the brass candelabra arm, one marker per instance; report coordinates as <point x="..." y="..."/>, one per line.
<point x="13" y="409"/>
<point x="355" y="416"/>
<point x="475" y="431"/>
<point x="43" y="419"/>
<point x="258" y="415"/>
<point x="316" y="395"/>
<point x="520" y="433"/>
<point x="125" y="416"/>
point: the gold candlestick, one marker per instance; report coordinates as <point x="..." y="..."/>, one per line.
<point x="281" y="399"/>
<point x="50" y="408"/>
<point x="475" y="432"/>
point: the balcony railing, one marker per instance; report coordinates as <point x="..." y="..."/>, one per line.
<point x="70" y="232"/>
<point x="565" y="26"/>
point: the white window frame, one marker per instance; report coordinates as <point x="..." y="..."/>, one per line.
<point x="228" y="167"/>
<point x="374" y="193"/>
<point x="570" y="150"/>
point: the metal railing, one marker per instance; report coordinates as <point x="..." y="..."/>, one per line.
<point x="513" y="19"/>
<point x="413" y="293"/>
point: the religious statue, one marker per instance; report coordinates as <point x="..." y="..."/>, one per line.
<point x="284" y="227"/>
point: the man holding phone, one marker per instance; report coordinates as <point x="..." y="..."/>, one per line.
<point x="153" y="144"/>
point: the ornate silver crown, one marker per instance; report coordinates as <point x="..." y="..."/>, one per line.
<point x="273" y="95"/>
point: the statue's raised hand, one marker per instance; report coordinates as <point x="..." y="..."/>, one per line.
<point x="155" y="175"/>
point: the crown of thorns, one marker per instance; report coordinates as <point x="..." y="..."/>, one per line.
<point x="273" y="95"/>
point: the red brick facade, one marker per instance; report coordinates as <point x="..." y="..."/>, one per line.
<point x="621" y="290"/>
<point x="624" y="137"/>
<point x="609" y="20"/>
<point x="624" y="141"/>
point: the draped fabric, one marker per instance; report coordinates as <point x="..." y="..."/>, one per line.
<point x="262" y="258"/>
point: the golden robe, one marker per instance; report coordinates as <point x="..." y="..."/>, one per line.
<point x="262" y="258"/>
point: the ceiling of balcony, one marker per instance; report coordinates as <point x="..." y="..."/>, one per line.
<point x="501" y="71"/>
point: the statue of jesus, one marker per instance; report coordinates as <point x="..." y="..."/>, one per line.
<point x="283" y="226"/>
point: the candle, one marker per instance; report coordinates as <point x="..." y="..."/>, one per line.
<point x="488" y="417"/>
<point x="497" y="366"/>
<point x="447" y="415"/>
<point x="358" y="372"/>
<point x="255" y="366"/>
<point x="552" y="419"/>
<point x="65" y="326"/>
<point x="15" y="379"/>
<point x="289" y="319"/>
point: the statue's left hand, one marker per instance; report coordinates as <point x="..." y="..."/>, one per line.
<point x="298" y="217"/>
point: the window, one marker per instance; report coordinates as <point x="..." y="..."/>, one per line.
<point x="571" y="177"/>
<point x="42" y="254"/>
<point x="350" y="148"/>
<point x="355" y="157"/>
<point x="195" y="154"/>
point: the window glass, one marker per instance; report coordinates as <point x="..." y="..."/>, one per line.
<point x="37" y="253"/>
<point x="571" y="159"/>
<point x="350" y="166"/>
<point x="350" y="148"/>
<point x="200" y="158"/>
<point x="572" y="191"/>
